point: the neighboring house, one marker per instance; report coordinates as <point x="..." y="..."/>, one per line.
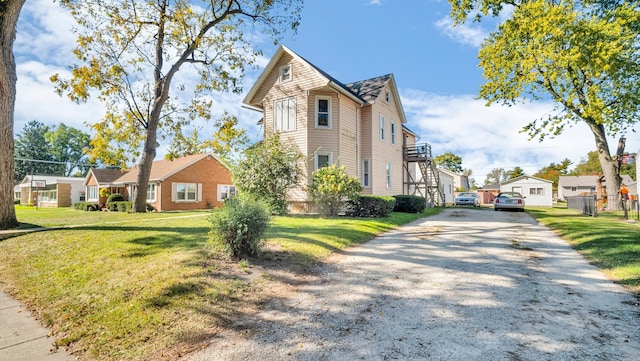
<point x="488" y="193"/>
<point x="51" y="191"/>
<point x="589" y="184"/>
<point x="460" y="181"/>
<point x="571" y="185"/>
<point x="447" y="185"/>
<point x="199" y="181"/>
<point x="16" y="192"/>
<point x="98" y="179"/>
<point x="359" y="125"/>
<point x="537" y="191"/>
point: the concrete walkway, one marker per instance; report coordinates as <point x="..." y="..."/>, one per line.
<point x="22" y="337"/>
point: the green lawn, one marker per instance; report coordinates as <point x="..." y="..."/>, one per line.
<point x="149" y="286"/>
<point x="607" y="241"/>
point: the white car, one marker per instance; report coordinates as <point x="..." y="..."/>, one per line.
<point x="467" y="199"/>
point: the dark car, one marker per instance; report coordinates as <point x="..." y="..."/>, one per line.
<point x="509" y="200"/>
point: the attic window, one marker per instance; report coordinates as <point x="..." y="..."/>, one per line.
<point x="285" y="73"/>
<point x="387" y="96"/>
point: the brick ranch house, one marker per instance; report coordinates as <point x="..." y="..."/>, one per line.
<point x="199" y="181"/>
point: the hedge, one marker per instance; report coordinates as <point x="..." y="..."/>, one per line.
<point x="410" y="204"/>
<point x="371" y="206"/>
<point x="86" y="206"/>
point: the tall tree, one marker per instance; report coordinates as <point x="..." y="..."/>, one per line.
<point x="33" y="152"/>
<point x="496" y="175"/>
<point x="132" y="52"/>
<point x="9" y="13"/>
<point x="42" y="149"/>
<point x="589" y="165"/>
<point x="227" y="141"/>
<point x="69" y="147"/>
<point x="449" y="161"/>
<point x="584" y="55"/>
<point x="553" y="172"/>
<point x="517" y="171"/>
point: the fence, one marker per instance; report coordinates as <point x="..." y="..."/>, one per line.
<point x="585" y="204"/>
<point x="589" y="205"/>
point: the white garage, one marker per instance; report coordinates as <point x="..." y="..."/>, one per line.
<point x="537" y="191"/>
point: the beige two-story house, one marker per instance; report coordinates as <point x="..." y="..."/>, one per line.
<point x="359" y="125"/>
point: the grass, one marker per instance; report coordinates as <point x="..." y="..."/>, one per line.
<point x="607" y="241"/>
<point x="149" y="286"/>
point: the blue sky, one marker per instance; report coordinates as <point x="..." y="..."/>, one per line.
<point x="435" y="66"/>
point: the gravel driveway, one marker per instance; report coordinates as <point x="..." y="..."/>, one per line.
<point x="467" y="284"/>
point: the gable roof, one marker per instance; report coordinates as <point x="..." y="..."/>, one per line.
<point x="369" y="90"/>
<point x="492" y="186"/>
<point x="103" y="176"/>
<point x="525" y="177"/>
<point x="362" y="92"/>
<point x="330" y="81"/>
<point x="578" y="180"/>
<point x="164" y="168"/>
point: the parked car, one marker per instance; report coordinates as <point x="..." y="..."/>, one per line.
<point x="467" y="199"/>
<point x="509" y="200"/>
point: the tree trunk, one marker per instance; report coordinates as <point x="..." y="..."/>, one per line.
<point x="148" y="156"/>
<point x="9" y="12"/>
<point x="610" y="168"/>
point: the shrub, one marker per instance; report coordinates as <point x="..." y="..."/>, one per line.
<point x="86" y="206"/>
<point x="239" y="226"/>
<point x="115" y="197"/>
<point x="120" y="206"/>
<point x="410" y="204"/>
<point x="371" y="206"/>
<point x="331" y="186"/>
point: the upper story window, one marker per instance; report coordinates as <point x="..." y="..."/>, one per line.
<point x="382" y="121"/>
<point x="393" y="133"/>
<point x="284" y="116"/>
<point x="323" y="112"/>
<point x="285" y="73"/>
<point x="387" y="96"/>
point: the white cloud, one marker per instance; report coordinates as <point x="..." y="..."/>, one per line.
<point x="374" y="2"/>
<point x="489" y="137"/>
<point x="468" y="33"/>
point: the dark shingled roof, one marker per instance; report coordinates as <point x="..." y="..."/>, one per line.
<point x="106" y="175"/>
<point x="369" y="89"/>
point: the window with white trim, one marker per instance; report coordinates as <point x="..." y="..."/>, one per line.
<point x="151" y="192"/>
<point x="226" y="191"/>
<point x="382" y="127"/>
<point x="387" y="96"/>
<point x="284" y="114"/>
<point x="322" y="159"/>
<point x="285" y="73"/>
<point x="366" y="173"/>
<point x="393" y="133"/>
<point x="323" y="112"/>
<point x="388" y="169"/>
<point x="536" y="191"/>
<point x="186" y="192"/>
<point x="92" y="193"/>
